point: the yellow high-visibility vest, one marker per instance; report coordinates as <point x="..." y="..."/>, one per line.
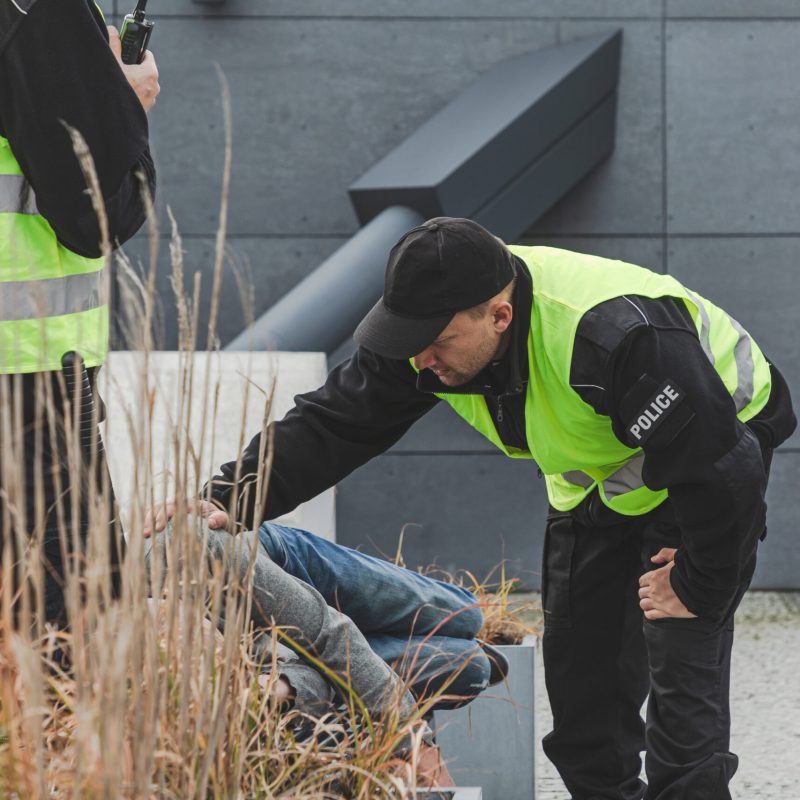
<point x="574" y="446"/>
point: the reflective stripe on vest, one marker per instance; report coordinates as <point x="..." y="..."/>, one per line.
<point x="52" y="301"/>
<point x="53" y="298"/>
<point x="578" y="478"/>
<point x="742" y="353"/>
<point x="16" y="195"/>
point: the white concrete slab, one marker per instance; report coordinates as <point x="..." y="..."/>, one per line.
<point x="224" y="397"/>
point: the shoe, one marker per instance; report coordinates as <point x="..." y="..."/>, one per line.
<point x="498" y="663"/>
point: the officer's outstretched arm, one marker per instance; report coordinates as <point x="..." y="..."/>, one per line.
<point x="366" y="405"/>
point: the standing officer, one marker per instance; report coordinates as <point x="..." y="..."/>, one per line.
<point x="652" y="415"/>
<point x="60" y="66"/>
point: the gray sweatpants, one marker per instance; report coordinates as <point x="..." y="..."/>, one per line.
<point x="279" y="599"/>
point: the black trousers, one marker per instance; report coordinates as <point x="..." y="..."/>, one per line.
<point x="602" y="658"/>
<point x="41" y="496"/>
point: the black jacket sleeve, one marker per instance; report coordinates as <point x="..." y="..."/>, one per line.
<point x="57" y="68"/>
<point x="366" y="404"/>
<point x="713" y="465"/>
<point x="709" y="461"/>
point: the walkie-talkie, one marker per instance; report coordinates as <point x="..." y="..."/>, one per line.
<point x="135" y="35"/>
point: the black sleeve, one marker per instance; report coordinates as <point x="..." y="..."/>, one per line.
<point x="710" y="462"/>
<point x="366" y="404"/>
<point x="696" y="448"/>
<point x="58" y="66"/>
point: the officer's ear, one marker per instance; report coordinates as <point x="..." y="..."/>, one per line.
<point x="502" y="314"/>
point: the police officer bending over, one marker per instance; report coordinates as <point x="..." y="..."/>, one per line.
<point x="652" y="415"/>
<point x="60" y="64"/>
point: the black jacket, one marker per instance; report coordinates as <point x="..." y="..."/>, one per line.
<point x="625" y="348"/>
<point x="56" y="67"/>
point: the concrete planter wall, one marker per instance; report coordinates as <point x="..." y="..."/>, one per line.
<point x="491" y="743"/>
<point x="455" y="793"/>
<point x="283" y="375"/>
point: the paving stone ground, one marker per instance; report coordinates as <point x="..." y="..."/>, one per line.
<point x="765" y="703"/>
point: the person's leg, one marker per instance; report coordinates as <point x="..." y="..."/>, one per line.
<point x="594" y="656"/>
<point x="688" y="711"/>
<point x="307" y="623"/>
<point x="35" y="480"/>
<point x="378" y="596"/>
<point x="429" y="664"/>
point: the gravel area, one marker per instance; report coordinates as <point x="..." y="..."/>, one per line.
<point x="765" y="703"/>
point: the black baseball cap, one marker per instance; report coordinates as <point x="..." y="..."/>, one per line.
<point x="445" y="265"/>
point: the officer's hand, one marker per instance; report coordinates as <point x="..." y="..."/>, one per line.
<point x="143" y="77"/>
<point x="157" y="517"/>
<point x="657" y="598"/>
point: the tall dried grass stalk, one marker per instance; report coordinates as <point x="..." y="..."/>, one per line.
<point x="156" y="702"/>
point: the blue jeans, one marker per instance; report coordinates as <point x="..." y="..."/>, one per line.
<point x="424" y="628"/>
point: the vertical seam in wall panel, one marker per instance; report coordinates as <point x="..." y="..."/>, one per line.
<point x="664" y="132"/>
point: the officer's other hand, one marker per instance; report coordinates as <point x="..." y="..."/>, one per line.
<point x="657" y="598"/>
<point x="157" y="517"/>
<point x="143" y="77"/>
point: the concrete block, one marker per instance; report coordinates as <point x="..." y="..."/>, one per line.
<point x="622" y="195"/>
<point x="268" y="267"/>
<point x="142" y="406"/>
<point x="757" y="282"/>
<point x="711" y="9"/>
<point x="778" y="555"/>
<point x="518" y="137"/>
<point x="492" y="741"/>
<point x="315" y="103"/>
<point x="454" y="793"/>
<point x="411" y="8"/>
<point x="455" y="511"/>
<point x="733" y="147"/>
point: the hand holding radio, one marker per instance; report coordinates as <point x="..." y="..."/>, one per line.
<point x="143" y="77"/>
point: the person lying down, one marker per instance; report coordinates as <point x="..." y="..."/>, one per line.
<point x="393" y="635"/>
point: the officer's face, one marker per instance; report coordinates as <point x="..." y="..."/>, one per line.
<point x="467" y="344"/>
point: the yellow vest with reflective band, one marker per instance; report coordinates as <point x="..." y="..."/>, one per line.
<point x="52" y="301"/>
<point x="574" y="446"/>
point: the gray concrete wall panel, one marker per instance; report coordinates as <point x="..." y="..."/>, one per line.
<point x="623" y="195"/>
<point x="741" y="9"/>
<point x="421" y="9"/>
<point x="778" y="555"/>
<point x="755" y="280"/>
<point x="315" y="103"/>
<point x="733" y="146"/>
<point x="461" y="512"/>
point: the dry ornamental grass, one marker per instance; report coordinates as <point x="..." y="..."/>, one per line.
<point x="142" y="698"/>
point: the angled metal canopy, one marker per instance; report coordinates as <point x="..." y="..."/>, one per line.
<point x="502" y="153"/>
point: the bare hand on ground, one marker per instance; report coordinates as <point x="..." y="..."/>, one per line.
<point x="143" y="77"/>
<point x="157" y="517"/>
<point x="431" y="769"/>
<point x="657" y="598"/>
